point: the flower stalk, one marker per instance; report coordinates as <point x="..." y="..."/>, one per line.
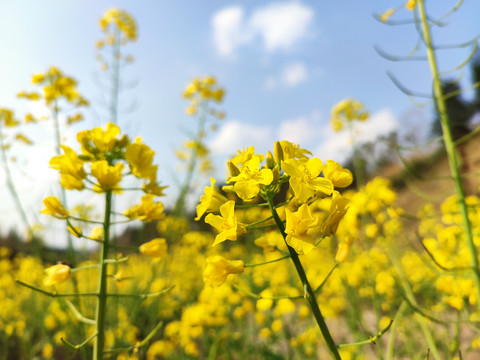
<point x="99" y="342"/>
<point x="309" y="293"/>
<point x="449" y="142"/>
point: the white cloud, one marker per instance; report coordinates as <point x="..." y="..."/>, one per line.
<point x="380" y="123"/>
<point x="229" y="30"/>
<point x="236" y="135"/>
<point x="308" y="131"/>
<point x="291" y="76"/>
<point x="338" y="147"/>
<point x="279" y="25"/>
<point x="302" y="130"/>
<point x="294" y="74"/>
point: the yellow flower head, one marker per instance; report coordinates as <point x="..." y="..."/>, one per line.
<point x="74" y="118"/>
<point x="156" y="248"/>
<point x="304" y="178"/>
<point x="284" y="150"/>
<point x="347" y="111"/>
<point x="120" y="20"/>
<point x="245" y="155"/>
<point x="152" y="187"/>
<point x="339" y="176"/>
<point x="75" y="231"/>
<point x="217" y="268"/>
<point x="140" y="160"/>
<point x="251" y="178"/>
<point x="338" y="209"/>
<point x="226" y="223"/>
<point x="22" y="138"/>
<point x="210" y="201"/>
<point x="54" y="207"/>
<point x="301" y="229"/>
<point x="57" y="86"/>
<point x="410" y="5"/>
<point x="99" y="140"/>
<point x="108" y="176"/>
<point x="343" y="250"/>
<point x="7" y="118"/>
<point x="203" y="90"/>
<point x="56" y="274"/>
<point x="148" y="210"/>
<point x="71" y="169"/>
<point x="97" y="234"/>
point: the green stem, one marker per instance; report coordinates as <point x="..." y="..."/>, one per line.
<point x="79" y="346"/>
<point x="357" y="161"/>
<point x="58" y="142"/>
<point x="192" y="164"/>
<point x="268" y="262"/>
<point x="450" y="146"/>
<point x="252" y="225"/>
<point x="99" y="343"/>
<point x="371" y="340"/>
<point x="309" y="293"/>
<point x="393" y="331"/>
<point x="13" y="189"/>
<point x="115" y="78"/>
<point x="410" y="297"/>
<point x="138" y="345"/>
<point x="54" y="294"/>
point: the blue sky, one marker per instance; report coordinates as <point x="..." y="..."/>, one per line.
<point x="284" y="64"/>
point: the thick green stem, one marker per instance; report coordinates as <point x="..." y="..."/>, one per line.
<point x="309" y="293"/>
<point x="450" y="145"/>
<point x="99" y="343"/>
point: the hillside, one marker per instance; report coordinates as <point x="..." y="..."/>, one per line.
<point x="435" y="182"/>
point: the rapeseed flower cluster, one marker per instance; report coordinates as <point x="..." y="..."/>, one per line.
<point x="56" y="86"/>
<point x="202" y="90"/>
<point x="347" y="111"/>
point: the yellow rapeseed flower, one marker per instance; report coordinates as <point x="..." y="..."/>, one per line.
<point x="210" y="201"/>
<point x="122" y="21"/>
<point x="54" y="207"/>
<point x="156" y="248"/>
<point x="346" y="111"/>
<point x="226" y="223"/>
<point x="338" y="209"/>
<point x="247" y="184"/>
<point x="148" y="210"/>
<point x="71" y="169"/>
<point x="301" y="228"/>
<point x="304" y="178"/>
<point x="410" y="5"/>
<point x="343" y="249"/>
<point x="108" y="176"/>
<point x="140" y="160"/>
<point x="103" y="140"/>
<point x="56" y="274"/>
<point x="7" y="118"/>
<point x="339" y="176"/>
<point x="217" y="268"/>
<point x="284" y="150"/>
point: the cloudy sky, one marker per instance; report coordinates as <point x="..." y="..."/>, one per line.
<point x="284" y="64"/>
